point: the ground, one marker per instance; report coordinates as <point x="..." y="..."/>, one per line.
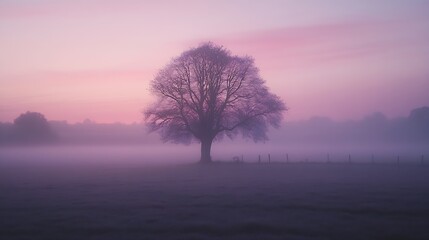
<point x="78" y="200"/>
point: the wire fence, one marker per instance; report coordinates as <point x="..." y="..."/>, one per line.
<point x="331" y="158"/>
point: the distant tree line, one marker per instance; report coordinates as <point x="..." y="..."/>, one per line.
<point x="34" y="128"/>
<point x="27" y="128"/>
<point x="89" y="132"/>
<point x="374" y="128"/>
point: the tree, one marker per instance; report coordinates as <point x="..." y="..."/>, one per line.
<point x="207" y="93"/>
<point x="32" y="127"/>
<point x="420" y="114"/>
<point x="419" y="122"/>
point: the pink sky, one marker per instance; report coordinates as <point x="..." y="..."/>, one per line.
<point x="72" y="60"/>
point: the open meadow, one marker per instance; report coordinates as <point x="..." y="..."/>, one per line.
<point x="233" y="119"/>
<point x="83" y="196"/>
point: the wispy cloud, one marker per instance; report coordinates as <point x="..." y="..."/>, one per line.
<point x="80" y="76"/>
<point x="304" y="46"/>
<point x="31" y="9"/>
<point x="88" y="85"/>
<point x="78" y="8"/>
<point x="105" y="95"/>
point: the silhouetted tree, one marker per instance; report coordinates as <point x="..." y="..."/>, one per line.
<point x="420" y="115"/>
<point x="32" y="127"/>
<point x="419" y="120"/>
<point x="207" y="93"/>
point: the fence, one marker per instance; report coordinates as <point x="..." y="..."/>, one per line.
<point x="349" y="158"/>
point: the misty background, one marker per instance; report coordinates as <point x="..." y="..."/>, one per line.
<point x="372" y="138"/>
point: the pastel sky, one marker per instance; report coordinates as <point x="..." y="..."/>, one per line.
<point x="78" y="59"/>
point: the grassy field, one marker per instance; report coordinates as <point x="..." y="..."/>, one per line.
<point x="95" y="200"/>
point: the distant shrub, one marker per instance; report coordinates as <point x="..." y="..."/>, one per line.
<point x="32" y="127"/>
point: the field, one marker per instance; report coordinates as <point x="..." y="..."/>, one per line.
<point x="123" y="199"/>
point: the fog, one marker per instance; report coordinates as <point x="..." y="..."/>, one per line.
<point x="314" y="179"/>
<point x="159" y="192"/>
<point x="162" y="154"/>
<point x="105" y="154"/>
<point x="374" y="138"/>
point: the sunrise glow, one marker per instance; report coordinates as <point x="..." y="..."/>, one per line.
<point x="73" y="60"/>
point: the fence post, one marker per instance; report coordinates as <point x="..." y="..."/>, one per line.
<point x="259" y="158"/>
<point x="269" y="158"/>
<point x="287" y="158"/>
<point x="350" y="158"/>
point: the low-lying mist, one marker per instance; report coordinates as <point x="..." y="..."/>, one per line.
<point x="318" y="178"/>
<point x="374" y="138"/>
<point x="161" y="154"/>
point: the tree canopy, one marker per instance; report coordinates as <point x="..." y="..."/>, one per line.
<point x="207" y="93"/>
<point x="32" y="127"/>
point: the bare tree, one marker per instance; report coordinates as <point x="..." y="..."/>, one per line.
<point x="207" y="93"/>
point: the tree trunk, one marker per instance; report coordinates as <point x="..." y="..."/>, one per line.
<point x="206" y="145"/>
